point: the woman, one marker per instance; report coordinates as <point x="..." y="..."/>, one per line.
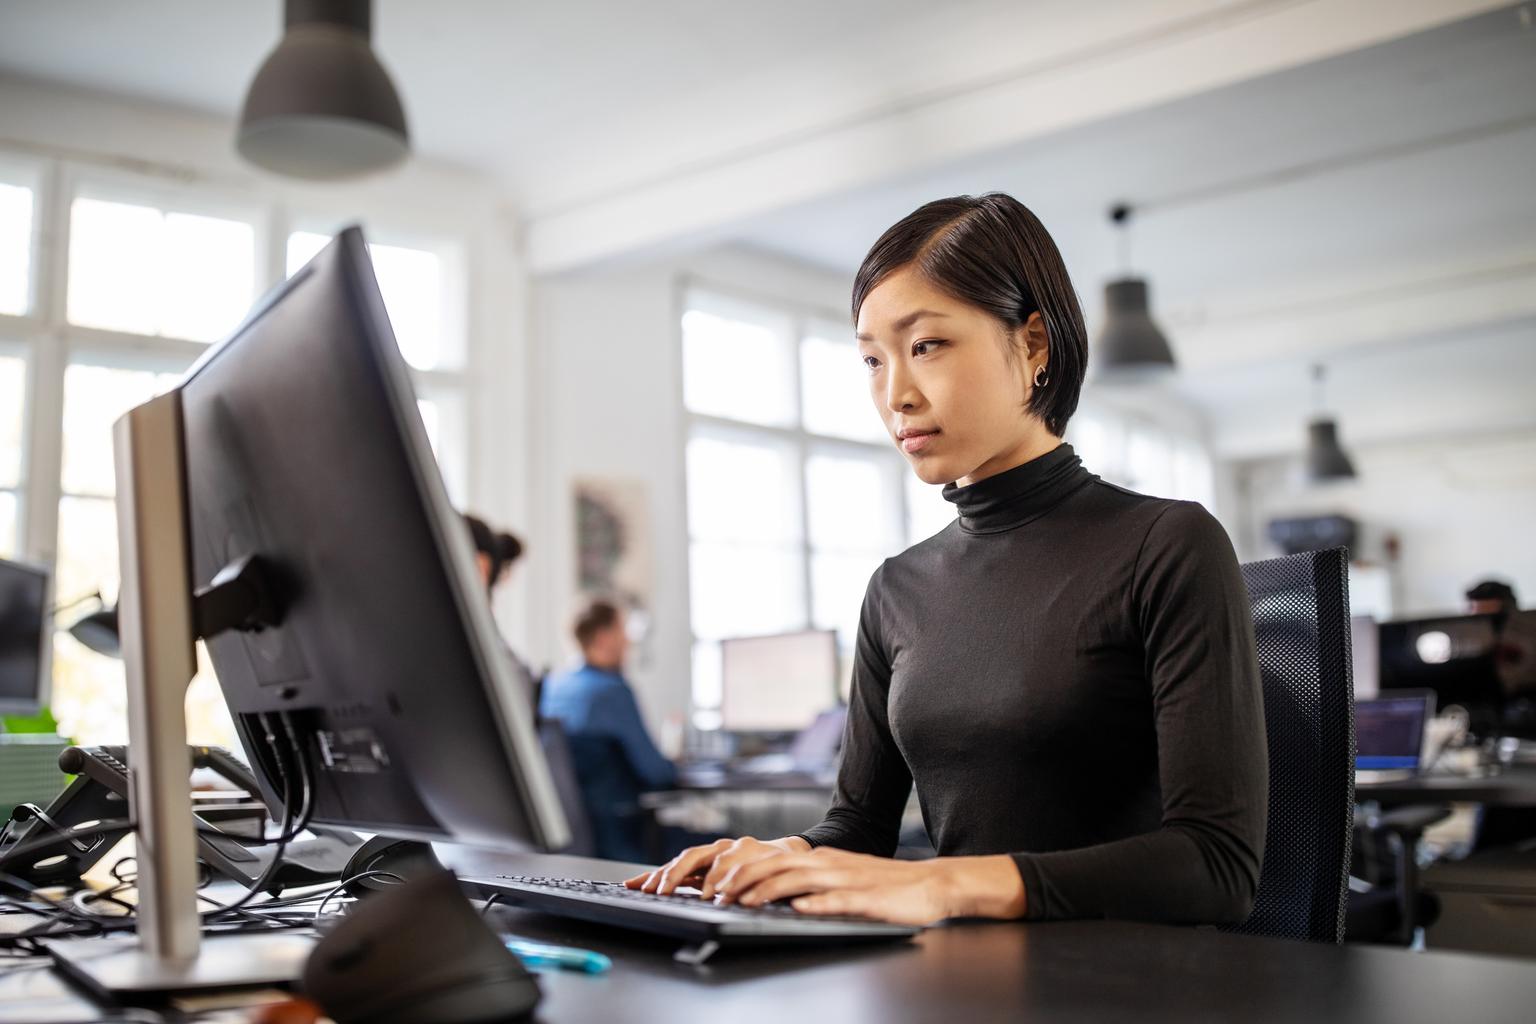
<point x="1066" y="672"/>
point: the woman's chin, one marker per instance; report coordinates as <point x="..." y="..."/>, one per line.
<point x="931" y="471"/>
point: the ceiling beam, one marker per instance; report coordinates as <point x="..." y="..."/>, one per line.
<point x="1150" y="55"/>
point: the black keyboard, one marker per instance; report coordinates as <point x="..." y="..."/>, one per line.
<point x="682" y="915"/>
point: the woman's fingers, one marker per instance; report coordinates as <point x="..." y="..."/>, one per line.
<point x="676" y="870"/>
<point x="743" y="878"/>
<point x="795" y="882"/>
<point x="687" y="865"/>
<point x="743" y="851"/>
<point x="843" y="902"/>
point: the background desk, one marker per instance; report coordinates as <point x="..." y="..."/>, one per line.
<point x="1514" y="787"/>
<point x="743" y="803"/>
<point x="1074" y="971"/>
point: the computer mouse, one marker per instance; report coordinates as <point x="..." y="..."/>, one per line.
<point x="381" y="862"/>
<point x="417" y="953"/>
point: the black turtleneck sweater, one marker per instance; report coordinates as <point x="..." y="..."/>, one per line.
<point x="1067" y="673"/>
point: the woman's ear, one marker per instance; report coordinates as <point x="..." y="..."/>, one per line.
<point x="1037" y="340"/>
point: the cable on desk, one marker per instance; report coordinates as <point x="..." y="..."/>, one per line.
<point x="287" y="832"/>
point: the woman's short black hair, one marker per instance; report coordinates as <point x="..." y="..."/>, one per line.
<point x="992" y="252"/>
<point x="501" y="548"/>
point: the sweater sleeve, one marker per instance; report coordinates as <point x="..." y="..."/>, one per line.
<point x="873" y="781"/>
<point x="1202" y="864"/>
<point x="621" y="714"/>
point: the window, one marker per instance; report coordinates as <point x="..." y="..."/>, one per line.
<point x="739" y="363"/>
<point x="418" y="288"/>
<point x="16" y="202"/>
<point x="1143" y="456"/>
<point x="795" y="495"/>
<point x="835" y="386"/>
<point x="13" y="383"/>
<point x="149" y="273"/>
<point x="143" y="270"/>
<point x="89" y="698"/>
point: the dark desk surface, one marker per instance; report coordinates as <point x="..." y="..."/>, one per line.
<point x="1514" y="787"/>
<point x="1076" y="971"/>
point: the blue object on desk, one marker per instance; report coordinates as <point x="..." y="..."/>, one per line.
<point x="535" y="955"/>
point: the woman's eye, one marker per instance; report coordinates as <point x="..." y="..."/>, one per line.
<point x="922" y="348"/>
<point x="871" y="363"/>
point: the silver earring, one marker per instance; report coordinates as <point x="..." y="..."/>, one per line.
<point x="1040" y="377"/>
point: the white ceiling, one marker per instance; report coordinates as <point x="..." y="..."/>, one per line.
<point x="537" y="92"/>
<point x="1366" y="182"/>
<point x="1390" y="174"/>
<point x="1434" y="139"/>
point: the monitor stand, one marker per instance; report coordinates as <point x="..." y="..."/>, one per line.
<point x="169" y="952"/>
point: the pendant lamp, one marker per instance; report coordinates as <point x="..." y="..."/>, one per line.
<point x="1130" y="344"/>
<point x="1326" y="459"/>
<point x="322" y="107"/>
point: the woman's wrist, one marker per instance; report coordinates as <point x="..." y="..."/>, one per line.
<point x="791" y="844"/>
<point x="981" y="887"/>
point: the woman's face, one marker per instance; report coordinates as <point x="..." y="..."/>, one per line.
<point x="942" y="380"/>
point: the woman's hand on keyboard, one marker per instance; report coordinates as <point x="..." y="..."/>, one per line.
<point x="711" y="866"/>
<point x="840" y="883"/>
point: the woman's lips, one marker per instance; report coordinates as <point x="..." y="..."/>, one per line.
<point x="914" y="443"/>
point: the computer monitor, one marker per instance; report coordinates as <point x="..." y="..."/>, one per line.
<point x="1391" y="732"/>
<point x="777" y="684"/>
<point x="304" y="447"/>
<point x="1451" y="655"/>
<point x="283" y="503"/>
<point x="24" y="596"/>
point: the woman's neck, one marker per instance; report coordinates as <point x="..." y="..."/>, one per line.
<point x="1037" y="443"/>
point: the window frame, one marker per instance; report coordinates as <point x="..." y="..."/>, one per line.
<point x="199" y="198"/>
<point x="33" y="174"/>
<point x="49" y="344"/>
<point x="803" y="320"/>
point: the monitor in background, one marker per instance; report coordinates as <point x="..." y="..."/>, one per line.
<point x="1391" y="731"/>
<point x="1451" y="655"/>
<point x="23" y="638"/>
<point x="777" y="684"/>
<point x="336" y="591"/>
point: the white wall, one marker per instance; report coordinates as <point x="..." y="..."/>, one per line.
<point x="1462" y="508"/>
<point x="606" y="400"/>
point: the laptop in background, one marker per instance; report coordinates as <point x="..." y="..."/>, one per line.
<point x="1392" y="735"/>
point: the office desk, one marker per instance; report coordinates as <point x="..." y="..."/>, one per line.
<point x="1514" y="787"/>
<point x="755" y="782"/>
<point x="993" y="971"/>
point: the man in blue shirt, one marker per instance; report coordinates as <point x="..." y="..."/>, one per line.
<point x="614" y="756"/>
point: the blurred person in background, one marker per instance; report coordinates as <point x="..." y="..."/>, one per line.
<point x="614" y="756"/>
<point x="495" y="551"/>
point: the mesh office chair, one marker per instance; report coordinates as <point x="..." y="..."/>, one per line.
<point x="1301" y="625"/>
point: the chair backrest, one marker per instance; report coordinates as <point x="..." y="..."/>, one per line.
<point x="562" y="768"/>
<point x="1301" y="625"/>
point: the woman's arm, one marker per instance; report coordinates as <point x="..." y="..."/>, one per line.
<point x="873" y="780"/>
<point x="1202" y="865"/>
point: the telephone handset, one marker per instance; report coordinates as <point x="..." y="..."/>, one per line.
<point x="99" y="792"/>
<point x="108" y="766"/>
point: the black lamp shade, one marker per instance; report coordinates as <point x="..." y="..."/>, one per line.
<point x="322" y="107"/>
<point x="1325" y="458"/>
<point x="98" y="631"/>
<point x="1130" y="342"/>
